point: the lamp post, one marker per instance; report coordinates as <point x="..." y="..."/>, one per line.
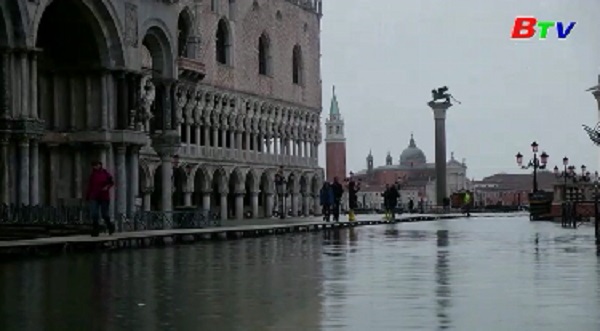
<point x="535" y="163"/>
<point x="569" y="172"/>
<point x="596" y="216"/>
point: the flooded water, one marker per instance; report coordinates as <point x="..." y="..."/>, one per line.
<point x="477" y="274"/>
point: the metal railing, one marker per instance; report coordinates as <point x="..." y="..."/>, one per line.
<point x="21" y="217"/>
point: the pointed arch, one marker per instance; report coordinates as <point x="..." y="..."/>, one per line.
<point x="158" y="43"/>
<point x="223" y="43"/>
<point x="264" y="55"/>
<point x="185" y="24"/>
<point x="297" y="65"/>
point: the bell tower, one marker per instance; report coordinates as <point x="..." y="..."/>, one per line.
<point x="335" y="142"/>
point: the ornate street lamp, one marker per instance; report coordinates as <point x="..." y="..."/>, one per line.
<point x="535" y="163"/>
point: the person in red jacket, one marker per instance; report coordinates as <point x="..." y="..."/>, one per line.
<point x="98" y="195"/>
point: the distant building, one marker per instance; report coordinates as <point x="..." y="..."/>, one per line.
<point x="417" y="177"/>
<point x="510" y="189"/>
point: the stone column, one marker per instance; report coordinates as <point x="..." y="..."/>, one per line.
<point x="54" y="164"/>
<point x="23" y="170"/>
<point x="121" y="182"/>
<point x="134" y="179"/>
<point x="4" y="84"/>
<point x="238" y="140"/>
<point x="224" y="205"/>
<point x="294" y="202"/>
<point x="133" y="91"/>
<point x="34" y="174"/>
<point x="254" y="204"/>
<point x="4" y="174"/>
<point x="305" y="204"/>
<point x="166" y="145"/>
<point x="166" y="170"/>
<point x="269" y="204"/>
<point x="105" y="100"/>
<point x="123" y="100"/>
<point x="316" y="205"/>
<point x="24" y="111"/>
<point x="239" y="206"/>
<point x="187" y="197"/>
<point x="77" y="163"/>
<point x="596" y="94"/>
<point x="206" y="200"/>
<point x="439" y="115"/>
<point x="147" y="198"/>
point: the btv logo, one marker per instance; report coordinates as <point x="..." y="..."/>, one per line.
<point x="524" y="28"/>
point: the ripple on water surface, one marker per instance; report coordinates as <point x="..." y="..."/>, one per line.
<point x="476" y="274"/>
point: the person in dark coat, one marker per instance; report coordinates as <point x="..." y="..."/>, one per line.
<point x="98" y="195"/>
<point x="411" y="205"/>
<point x="327" y="200"/>
<point x="393" y="196"/>
<point x="353" y="188"/>
<point x="338" y="192"/>
<point x="386" y="201"/>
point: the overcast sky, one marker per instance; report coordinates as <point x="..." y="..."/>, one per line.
<point x="385" y="57"/>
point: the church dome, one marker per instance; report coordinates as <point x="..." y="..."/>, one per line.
<point x="412" y="155"/>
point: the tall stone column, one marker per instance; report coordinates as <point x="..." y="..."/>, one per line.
<point x="4" y="176"/>
<point x="34" y="174"/>
<point x="316" y="204"/>
<point x="23" y="170"/>
<point x="104" y="100"/>
<point x="269" y="204"/>
<point x="54" y="165"/>
<point x="24" y="111"/>
<point x="147" y="198"/>
<point x="439" y="115"/>
<point x="122" y="183"/>
<point x="4" y="84"/>
<point x="239" y="206"/>
<point x="206" y="200"/>
<point x="166" y="170"/>
<point x="224" y="205"/>
<point x="134" y="179"/>
<point x="305" y="204"/>
<point x="187" y="197"/>
<point x="294" y="202"/>
<point x="596" y="94"/>
<point x="254" y="204"/>
<point x="34" y="84"/>
<point x="123" y="100"/>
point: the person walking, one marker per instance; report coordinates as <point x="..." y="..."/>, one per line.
<point x="386" y="202"/>
<point x="353" y="188"/>
<point x="467" y="203"/>
<point x="411" y="205"/>
<point x="338" y="192"/>
<point x="393" y="197"/>
<point x="327" y="200"/>
<point x="98" y="196"/>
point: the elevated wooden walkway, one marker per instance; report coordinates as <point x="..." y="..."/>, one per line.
<point x="229" y="230"/>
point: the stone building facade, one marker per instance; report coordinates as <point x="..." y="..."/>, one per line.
<point x="188" y="103"/>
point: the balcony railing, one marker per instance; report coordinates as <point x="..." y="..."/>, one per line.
<point x="191" y="69"/>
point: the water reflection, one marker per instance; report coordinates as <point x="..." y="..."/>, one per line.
<point x="491" y="275"/>
<point x="442" y="271"/>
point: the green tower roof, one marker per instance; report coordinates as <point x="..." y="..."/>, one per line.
<point x="335" y="108"/>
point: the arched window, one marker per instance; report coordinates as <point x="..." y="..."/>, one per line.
<point x="183" y="34"/>
<point x="223" y="43"/>
<point x="264" y="56"/>
<point x="297" y="65"/>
